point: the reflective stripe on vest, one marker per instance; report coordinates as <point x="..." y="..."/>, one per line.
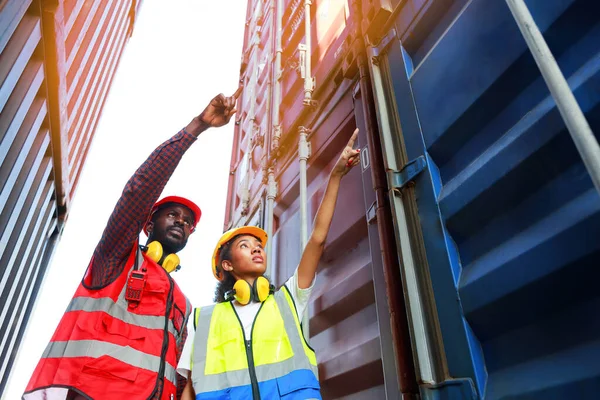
<point x="116" y="310"/>
<point x="95" y="349"/>
<point x="188" y="310"/>
<point x="212" y="370"/>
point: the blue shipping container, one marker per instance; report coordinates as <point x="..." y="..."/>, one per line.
<point x="500" y="234"/>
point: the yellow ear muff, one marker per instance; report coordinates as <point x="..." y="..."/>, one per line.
<point x="154" y="251"/>
<point x="171" y="263"/>
<point x="262" y="288"/>
<point x="243" y="292"/>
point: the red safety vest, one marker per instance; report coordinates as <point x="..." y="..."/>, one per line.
<point x="108" y="348"/>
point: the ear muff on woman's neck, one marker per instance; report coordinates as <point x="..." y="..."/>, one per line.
<point x="154" y="251"/>
<point x="244" y="293"/>
<point x="262" y="289"/>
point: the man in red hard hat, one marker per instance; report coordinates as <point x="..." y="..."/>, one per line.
<point x="122" y="334"/>
<point x="170" y="237"/>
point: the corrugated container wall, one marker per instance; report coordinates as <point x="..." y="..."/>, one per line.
<point x="57" y="61"/>
<point x="499" y="228"/>
<point x="302" y="65"/>
<point x="463" y="258"/>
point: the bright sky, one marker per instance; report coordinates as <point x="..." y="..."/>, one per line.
<point x="182" y="53"/>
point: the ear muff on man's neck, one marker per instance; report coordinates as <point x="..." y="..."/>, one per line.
<point x="154" y="251"/>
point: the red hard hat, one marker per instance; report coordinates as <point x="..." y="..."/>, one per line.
<point x="178" y="200"/>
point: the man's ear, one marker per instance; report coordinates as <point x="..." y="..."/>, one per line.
<point x="149" y="227"/>
<point x="226" y="265"/>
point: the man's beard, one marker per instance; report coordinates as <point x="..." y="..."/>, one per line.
<point x="171" y="246"/>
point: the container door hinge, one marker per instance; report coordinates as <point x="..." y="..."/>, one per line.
<point x="399" y="179"/>
<point x="372" y="213"/>
<point x="377" y="51"/>
<point x="450" y="389"/>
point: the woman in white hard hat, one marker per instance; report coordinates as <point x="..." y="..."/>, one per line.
<point x="250" y="344"/>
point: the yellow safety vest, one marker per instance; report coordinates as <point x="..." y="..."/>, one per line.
<point x="277" y="363"/>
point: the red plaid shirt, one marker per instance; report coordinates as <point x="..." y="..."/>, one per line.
<point x="131" y="213"/>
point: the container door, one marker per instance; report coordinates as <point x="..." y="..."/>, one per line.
<point x="502" y="219"/>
